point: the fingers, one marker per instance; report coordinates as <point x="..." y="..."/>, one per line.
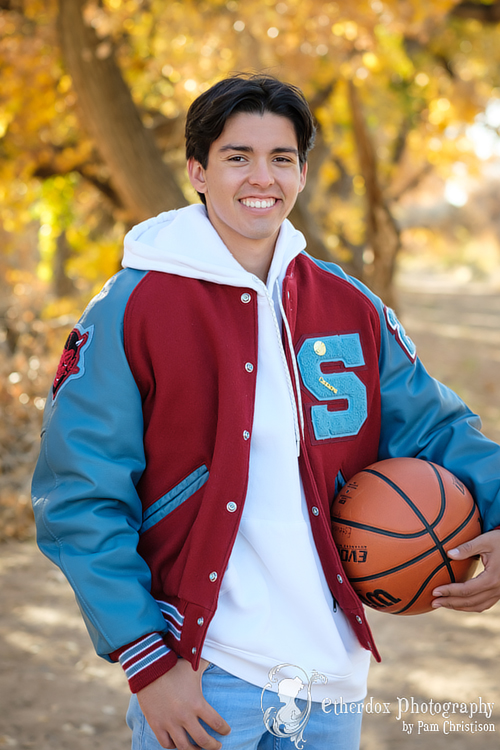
<point x="477" y="603"/>
<point x="214" y="720"/>
<point x="199" y="736"/>
<point x="174" y="706"/>
<point x="484" y="545"/>
<point x="198" y="733"/>
<point x="175" y="730"/>
<point x="183" y="734"/>
<point x="476" y="595"/>
<point x="483" y="591"/>
<point x="169" y="743"/>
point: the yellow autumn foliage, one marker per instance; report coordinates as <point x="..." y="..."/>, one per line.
<point x="422" y="75"/>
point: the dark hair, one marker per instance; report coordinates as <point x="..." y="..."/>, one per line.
<point x="259" y="93"/>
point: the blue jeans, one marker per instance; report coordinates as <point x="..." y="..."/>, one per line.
<point x="291" y="726"/>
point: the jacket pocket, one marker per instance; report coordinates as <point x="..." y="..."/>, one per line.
<point x="174" y="497"/>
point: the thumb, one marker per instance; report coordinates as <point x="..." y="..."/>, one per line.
<point x="467" y="549"/>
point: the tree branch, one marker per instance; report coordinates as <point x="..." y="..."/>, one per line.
<point x="381" y="231"/>
<point x="44" y="171"/>
<point x="478" y="11"/>
<point x="145" y="184"/>
<point x="412" y="183"/>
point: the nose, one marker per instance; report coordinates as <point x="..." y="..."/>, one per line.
<point x="261" y="174"/>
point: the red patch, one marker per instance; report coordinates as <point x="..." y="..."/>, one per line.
<point x="71" y="365"/>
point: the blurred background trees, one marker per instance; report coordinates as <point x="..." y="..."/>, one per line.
<point x="92" y="103"/>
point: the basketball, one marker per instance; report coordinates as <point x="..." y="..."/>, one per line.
<point x="393" y="524"/>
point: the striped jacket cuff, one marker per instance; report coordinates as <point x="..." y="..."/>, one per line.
<point x="145" y="660"/>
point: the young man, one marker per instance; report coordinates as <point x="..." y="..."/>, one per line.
<point x="209" y="404"/>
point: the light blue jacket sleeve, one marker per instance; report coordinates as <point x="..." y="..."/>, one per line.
<point x="423" y="418"/>
<point x="86" y="507"/>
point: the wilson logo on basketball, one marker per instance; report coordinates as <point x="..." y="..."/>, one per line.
<point x="379" y="599"/>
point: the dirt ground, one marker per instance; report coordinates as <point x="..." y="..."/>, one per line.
<point x="57" y="695"/>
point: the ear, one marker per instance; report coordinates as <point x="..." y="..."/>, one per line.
<point x="303" y="175"/>
<point x="196" y="175"/>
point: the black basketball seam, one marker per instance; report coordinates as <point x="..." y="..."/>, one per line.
<point x="420" y="590"/>
<point x="409" y="563"/>
<point x="419" y="514"/>
<point x="445" y="557"/>
<point x="462" y="525"/>
<point x="443" y="495"/>
<point x="386" y="532"/>
<point x="415" y="598"/>
<point x="413" y="560"/>
<point x="389" y="571"/>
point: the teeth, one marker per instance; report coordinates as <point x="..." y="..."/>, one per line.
<point x="267" y="203"/>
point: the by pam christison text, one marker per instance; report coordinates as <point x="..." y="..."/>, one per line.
<point x="419" y="717"/>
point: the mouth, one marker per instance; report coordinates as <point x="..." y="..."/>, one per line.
<point x="258" y="202"/>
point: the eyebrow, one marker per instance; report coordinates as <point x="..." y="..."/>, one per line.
<point x="249" y="149"/>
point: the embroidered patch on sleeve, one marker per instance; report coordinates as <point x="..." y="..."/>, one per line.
<point x="71" y="364"/>
<point x="400" y="335"/>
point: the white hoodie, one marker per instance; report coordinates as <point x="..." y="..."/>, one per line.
<point x="275" y="606"/>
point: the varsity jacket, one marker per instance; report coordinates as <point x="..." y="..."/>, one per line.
<point x="143" y="469"/>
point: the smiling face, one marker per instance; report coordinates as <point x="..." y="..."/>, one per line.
<point x="250" y="184"/>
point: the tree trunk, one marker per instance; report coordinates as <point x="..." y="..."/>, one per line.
<point x="301" y="217"/>
<point x="63" y="285"/>
<point x="303" y="220"/>
<point x="486" y="13"/>
<point x="138" y="173"/>
<point x="382" y="235"/>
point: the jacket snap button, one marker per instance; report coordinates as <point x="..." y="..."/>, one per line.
<point x="245" y="298"/>
<point x="358" y="619"/>
<point x="315" y="511"/>
<point x="200" y="621"/>
<point x="246" y="435"/>
<point x="249" y="367"/>
<point x="231" y="507"/>
<point x="340" y="579"/>
<point x="213" y="576"/>
<point x="193" y="650"/>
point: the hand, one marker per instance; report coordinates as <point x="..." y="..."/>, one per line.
<point x="173" y="705"/>
<point x="478" y="593"/>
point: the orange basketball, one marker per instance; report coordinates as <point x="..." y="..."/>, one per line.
<point x="393" y="524"/>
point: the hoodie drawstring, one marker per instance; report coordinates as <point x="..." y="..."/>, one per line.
<point x="297" y="411"/>
<point x="294" y="364"/>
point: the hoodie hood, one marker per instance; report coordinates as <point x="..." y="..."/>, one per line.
<point x="184" y="243"/>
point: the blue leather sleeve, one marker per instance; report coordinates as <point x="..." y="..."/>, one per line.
<point x="86" y="507"/>
<point x="422" y="418"/>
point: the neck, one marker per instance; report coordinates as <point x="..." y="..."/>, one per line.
<point x="255" y="255"/>
<point x="255" y="262"/>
